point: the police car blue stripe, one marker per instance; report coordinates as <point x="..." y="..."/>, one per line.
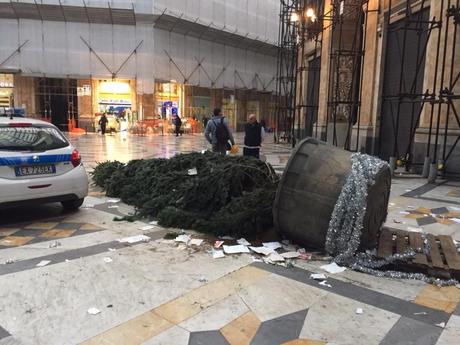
<point x="31" y="160"/>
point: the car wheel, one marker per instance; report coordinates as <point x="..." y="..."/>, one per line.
<point x="72" y="204"/>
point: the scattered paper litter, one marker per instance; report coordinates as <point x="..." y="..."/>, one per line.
<point x="261" y="250"/>
<point x="196" y="242"/>
<point x="9" y="261"/>
<point x="404" y="212"/>
<point x="391" y="204"/>
<point x="87" y="206"/>
<point x="192" y="171"/>
<point x="275" y="257"/>
<point x="146" y="228"/>
<point x="414" y="229"/>
<point x="203" y="280"/>
<point x="243" y="242"/>
<point x="359" y="310"/>
<point x="55" y="244"/>
<point x="93" y="311"/>
<point x="217" y="254"/>
<point x="397" y="221"/>
<point x="183" y="238"/>
<point x="421" y="313"/>
<point x="107" y="259"/>
<point x="410" y="206"/>
<point x="318" y="276"/>
<point x="113" y="206"/>
<point x="272" y="245"/>
<point x="408" y="190"/>
<point x="453" y="208"/>
<point x="256" y="259"/>
<point x="290" y="255"/>
<point x="324" y="283"/>
<point x="154" y="222"/>
<point x="134" y="239"/>
<point x="333" y="268"/>
<point x="112" y="249"/>
<point x="113" y="201"/>
<point x="236" y="249"/>
<point x="456" y="220"/>
<point x="305" y="256"/>
<point x="43" y="263"/>
<point x="442" y="325"/>
<point x="218" y="244"/>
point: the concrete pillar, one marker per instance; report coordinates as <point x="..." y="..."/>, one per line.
<point x="24" y="94"/>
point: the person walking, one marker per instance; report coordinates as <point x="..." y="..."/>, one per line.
<point x="253" y="136"/>
<point x="103" y="121"/>
<point x="218" y="134"/>
<point x="178" y="124"/>
<point x="123" y="128"/>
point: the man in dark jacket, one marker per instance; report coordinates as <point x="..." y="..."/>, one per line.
<point x="103" y="123"/>
<point x="218" y="134"/>
<point x="178" y="123"/>
<point x="253" y="137"/>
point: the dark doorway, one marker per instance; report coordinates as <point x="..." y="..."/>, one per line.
<point x="403" y="85"/>
<point x="57" y="100"/>
<point x="312" y="97"/>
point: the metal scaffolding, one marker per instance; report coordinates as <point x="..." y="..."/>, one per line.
<point x="417" y="115"/>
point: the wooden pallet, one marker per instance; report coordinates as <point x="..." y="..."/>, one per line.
<point x="442" y="261"/>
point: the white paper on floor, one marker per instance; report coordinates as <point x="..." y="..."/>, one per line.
<point x="272" y="245"/>
<point x="147" y="228"/>
<point x="87" y="206"/>
<point x="93" y="311"/>
<point x="43" y="263"/>
<point x="414" y="229"/>
<point x="243" y="242"/>
<point x="404" y="212"/>
<point x="196" y="242"/>
<point x="256" y="259"/>
<point x="318" y="276"/>
<point x="359" y="310"/>
<point x="456" y="220"/>
<point x="290" y="255"/>
<point x="112" y="249"/>
<point x="262" y="250"/>
<point x="333" y="268"/>
<point x="183" y="238"/>
<point x="107" y="259"/>
<point x="134" y="239"/>
<point x="236" y="249"/>
<point x="192" y="172"/>
<point x="453" y="208"/>
<point x="324" y="283"/>
<point x="217" y="254"/>
<point x="113" y="201"/>
<point x="275" y="257"/>
<point x="154" y="222"/>
<point x="218" y="244"/>
<point x="114" y="206"/>
<point x="442" y="325"/>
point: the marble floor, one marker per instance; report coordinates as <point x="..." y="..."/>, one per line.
<point x="55" y="266"/>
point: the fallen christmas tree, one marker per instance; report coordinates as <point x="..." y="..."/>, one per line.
<point x="205" y="192"/>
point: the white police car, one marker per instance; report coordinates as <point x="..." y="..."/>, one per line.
<point x="38" y="165"/>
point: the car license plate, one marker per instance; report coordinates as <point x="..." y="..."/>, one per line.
<point x="35" y="170"/>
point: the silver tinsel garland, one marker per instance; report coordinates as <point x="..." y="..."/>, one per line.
<point x="345" y="227"/>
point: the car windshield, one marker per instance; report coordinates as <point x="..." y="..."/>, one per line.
<point x="31" y="139"/>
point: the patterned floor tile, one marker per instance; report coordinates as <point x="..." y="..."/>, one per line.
<point x="43" y="226"/>
<point x="280" y="330"/>
<point x="451" y="333"/>
<point x="441" y="298"/>
<point x="426" y="221"/>
<point x="242" y="330"/>
<point x="445" y="221"/>
<point x="454" y="193"/>
<point x="410" y="331"/>
<point x="89" y="227"/>
<point x="174" y="335"/>
<point x="207" y="338"/>
<point x="134" y="331"/>
<point x="305" y="342"/>
<point x="195" y="301"/>
<point x="333" y="319"/>
<point x="14" y="241"/>
<point x="8" y="231"/>
<point x="216" y="316"/>
<point x="439" y="210"/>
<point x="414" y="215"/>
<point x="57" y="233"/>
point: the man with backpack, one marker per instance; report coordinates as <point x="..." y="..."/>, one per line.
<point x="218" y="133"/>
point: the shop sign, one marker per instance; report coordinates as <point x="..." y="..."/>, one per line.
<point x="115" y="101"/>
<point x="84" y="91"/>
